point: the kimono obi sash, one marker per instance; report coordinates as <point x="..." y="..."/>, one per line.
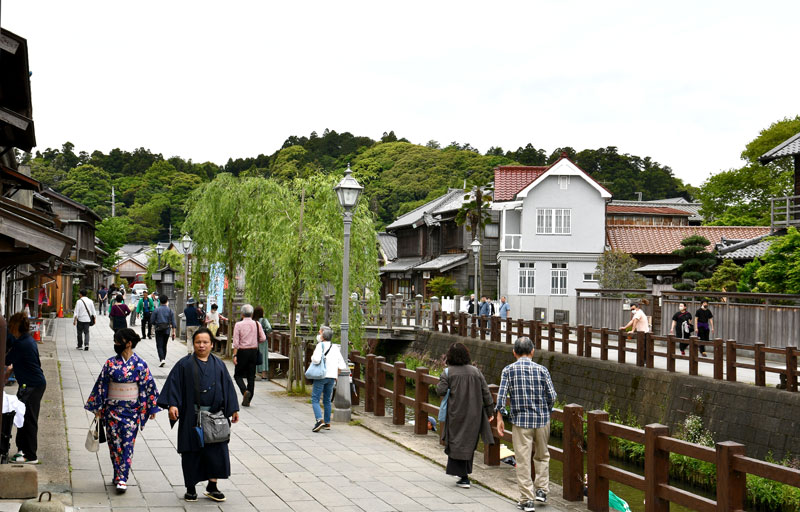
<point x="128" y="391"/>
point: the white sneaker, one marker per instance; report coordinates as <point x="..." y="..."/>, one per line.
<point x="161" y="364"/>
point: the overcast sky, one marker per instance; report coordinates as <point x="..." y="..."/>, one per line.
<point x="686" y="83"/>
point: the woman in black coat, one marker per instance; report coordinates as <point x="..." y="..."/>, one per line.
<point x="211" y="461"/>
<point x="469" y="408"/>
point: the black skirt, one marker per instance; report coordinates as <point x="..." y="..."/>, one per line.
<point x="458" y="467"/>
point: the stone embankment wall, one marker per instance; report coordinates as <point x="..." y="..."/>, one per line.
<point x="764" y="419"/>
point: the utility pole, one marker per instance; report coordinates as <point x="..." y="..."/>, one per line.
<point x="113" y="202"/>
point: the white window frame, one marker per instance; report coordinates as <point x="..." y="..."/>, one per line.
<point x="559" y="279"/>
<point x="553" y="221"/>
<point x="592" y="277"/>
<point x="526" y="278"/>
<point x="491" y="230"/>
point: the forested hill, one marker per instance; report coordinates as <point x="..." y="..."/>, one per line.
<point x="151" y="190"/>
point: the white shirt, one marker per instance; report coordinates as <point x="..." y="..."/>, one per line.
<point x="84" y="314"/>
<point x="640" y="323"/>
<point x="333" y="361"/>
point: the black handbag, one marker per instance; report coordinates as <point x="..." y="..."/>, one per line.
<point x="212" y="427"/>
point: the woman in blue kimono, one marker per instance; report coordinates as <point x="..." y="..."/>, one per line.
<point x="200" y="381"/>
<point x="125" y="396"/>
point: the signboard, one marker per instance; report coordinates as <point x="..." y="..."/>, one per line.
<point x="216" y="285"/>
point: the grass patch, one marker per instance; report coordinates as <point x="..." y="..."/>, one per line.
<point x="355" y="423"/>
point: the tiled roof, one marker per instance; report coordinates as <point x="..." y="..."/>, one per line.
<point x="509" y="180"/>
<point x="400" y="265"/>
<point x="786" y="148"/>
<point x="756" y="250"/>
<point x="665" y="239"/>
<point x="693" y="208"/>
<point x="647" y="210"/>
<point x="388" y="243"/>
<point x="416" y="215"/>
<point x="444" y="262"/>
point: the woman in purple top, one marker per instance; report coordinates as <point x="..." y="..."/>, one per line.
<point x="119" y="311"/>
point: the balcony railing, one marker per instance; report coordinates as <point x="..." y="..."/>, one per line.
<point x="784" y="212"/>
<point x="512" y="242"/>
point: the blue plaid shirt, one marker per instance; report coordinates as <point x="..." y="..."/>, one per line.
<point x="532" y="393"/>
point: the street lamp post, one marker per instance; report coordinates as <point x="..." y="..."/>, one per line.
<point x="348" y="190"/>
<point x="186" y="242"/>
<point x="159" y="250"/>
<point x="476" y="249"/>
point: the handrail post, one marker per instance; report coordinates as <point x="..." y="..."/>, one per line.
<point x="621" y="345"/>
<point x="509" y="328"/>
<point x="380" y="382"/>
<point x="730" y="360"/>
<point x="369" y="384"/>
<point x="761" y="377"/>
<point x="640" y="349"/>
<point x="580" y="332"/>
<point x="462" y="324"/>
<point x="604" y="344"/>
<point x="693" y="355"/>
<point x="731" y="484"/>
<point x="483" y="326"/>
<point x="551" y="337"/>
<point x="435" y="308"/>
<point x="791" y="368"/>
<point x="573" y="453"/>
<point x="418" y="311"/>
<point x="671" y="353"/>
<point x="398" y="407"/>
<point x="473" y="324"/>
<point x="536" y="325"/>
<point x="565" y="335"/>
<point x="588" y="341"/>
<point x="356" y="375"/>
<point x="421" y="396"/>
<point x="596" y="454"/>
<point x="656" y="468"/>
<point x="491" y="453"/>
<point x="494" y="332"/>
<point x="718" y="359"/>
<point x="649" y="350"/>
<point x="443" y="316"/>
<point x="389" y="310"/>
<point x="453" y="323"/>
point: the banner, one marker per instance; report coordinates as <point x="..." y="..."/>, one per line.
<point x="216" y="286"/>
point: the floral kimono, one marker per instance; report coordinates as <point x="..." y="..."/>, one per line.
<point x="126" y="394"/>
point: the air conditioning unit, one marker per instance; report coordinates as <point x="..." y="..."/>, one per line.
<point x="426" y="275"/>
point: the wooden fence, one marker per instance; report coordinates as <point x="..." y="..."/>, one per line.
<point x="369" y="376"/>
<point x="642" y="347"/>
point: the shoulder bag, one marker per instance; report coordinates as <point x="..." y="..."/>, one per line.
<point x="443" y="405"/>
<point x="91" y="317"/>
<point x="317" y="370"/>
<point x="212" y="427"/>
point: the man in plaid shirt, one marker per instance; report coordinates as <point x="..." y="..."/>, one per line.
<point x="532" y="399"/>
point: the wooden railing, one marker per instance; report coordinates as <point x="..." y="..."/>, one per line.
<point x="784" y="212"/>
<point x="584" y="338"/>
<point x="369" y="377"/>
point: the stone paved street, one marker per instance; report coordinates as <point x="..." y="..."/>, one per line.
<point x="277" y="462"/>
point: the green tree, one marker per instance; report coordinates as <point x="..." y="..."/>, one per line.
<point x="442" y="286"/>
<point x="113" y="231"/>
<point x="172" y="258"/>
<point x="616" y="271"/>
<point x="741" y="196"/>
<point x="748" y="281"/>
<point x="726" y="278"/>
<point x="697" y="261"/>
<point x="90" y="186"/>
<point x="780" y="272"/>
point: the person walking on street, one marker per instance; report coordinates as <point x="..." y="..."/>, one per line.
<point x="469" y="408"/>
<point x="84" y="318"/>
<point x="683" y="321"/>
<point x="484" y="311"/>
<point x="504" y="308"/>
<point x="704" y="319"/>
<point x="119" y="312"/>
<point x="102" y="297"/>
<point x="164" y="320"/>
<point x="532" y="398"/>
<point x="323" y="388"/>
<point x="263" y="348"/>
<point x="145" y="308"/>
<point x="193" y="321"/>
<point x="23" y="358"/>
<point x="247" y="334"/>
<point x="200" y="382"/>
<point x="124" y="396"/>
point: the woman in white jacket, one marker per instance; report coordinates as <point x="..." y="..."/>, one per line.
<point x="324" y="387"/>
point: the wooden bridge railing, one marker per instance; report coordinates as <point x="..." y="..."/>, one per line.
<point x="585" y="338"/>
<point x="369" y="376"/>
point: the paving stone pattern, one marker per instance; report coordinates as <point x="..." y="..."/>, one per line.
<point x="277" y="463"/>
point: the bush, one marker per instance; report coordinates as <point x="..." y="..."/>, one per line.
<point x="442" y="286"/>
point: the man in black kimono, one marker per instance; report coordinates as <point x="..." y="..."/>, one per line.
<point x="206" y="373"/>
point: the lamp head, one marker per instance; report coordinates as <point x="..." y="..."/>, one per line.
<point x="476" y="246"/>
<point x="186" y="242"/>
<point x="159" y="249"/>
<point x="348" y="190"/>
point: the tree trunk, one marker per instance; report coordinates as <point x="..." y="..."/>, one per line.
<point x="231" y="273"/>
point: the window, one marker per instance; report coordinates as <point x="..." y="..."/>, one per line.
<point x="527" y="278"/>
<point x="558" y="279"/>
<point x="563" y="182"/>
<point x="492" y="231"/>
<point x="590" y="277"/>
<point x="553" y="221"/>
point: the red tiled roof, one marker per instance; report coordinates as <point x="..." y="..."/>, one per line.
<point x="509" y="180"/>
<point x="646" y="210"/>
<point x="665" y="239"/>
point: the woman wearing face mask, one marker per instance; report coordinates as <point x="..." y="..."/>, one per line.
<point x="323" y="388"/>
<point x="125" y="396"/>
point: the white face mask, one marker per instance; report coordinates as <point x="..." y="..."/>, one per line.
<point x="319" y="338"/>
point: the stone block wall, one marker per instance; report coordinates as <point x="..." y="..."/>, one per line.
<point x="764" y="419"/>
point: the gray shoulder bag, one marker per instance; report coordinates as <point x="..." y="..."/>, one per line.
<point x="211" y="427"/>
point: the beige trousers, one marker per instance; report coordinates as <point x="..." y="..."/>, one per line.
<point x="532" y="442"/>
<point x="190" y="330"/>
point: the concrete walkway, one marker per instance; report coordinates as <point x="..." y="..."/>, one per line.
<point x="277" y="462"/>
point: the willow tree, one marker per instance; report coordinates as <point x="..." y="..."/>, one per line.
<point x="294" y="250"/>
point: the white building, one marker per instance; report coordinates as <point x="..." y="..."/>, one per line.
<point x="552" y="233"/>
